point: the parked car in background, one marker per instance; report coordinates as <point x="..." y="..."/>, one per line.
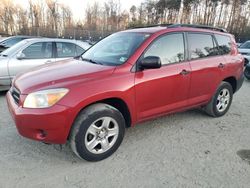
<point x="238" y="44"/>
<point x="11" y="41"/>
<point x="244" y="49"/>
<point x="247" y="71"/>
<point x="126" y="78"/>
<point x="34" y="52"/>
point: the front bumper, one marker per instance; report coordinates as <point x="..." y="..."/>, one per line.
<point x="49" y="125"/>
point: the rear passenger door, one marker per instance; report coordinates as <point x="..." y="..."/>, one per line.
<point x="206" y="63"/>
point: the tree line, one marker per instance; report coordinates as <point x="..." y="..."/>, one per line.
<point x="39" y="18"/>
<point x="233" y="15"/>
<point x="51" y="18"/>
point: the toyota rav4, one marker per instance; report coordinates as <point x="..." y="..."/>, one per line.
<point x="126" y="78"/>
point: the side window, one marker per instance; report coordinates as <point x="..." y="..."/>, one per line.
<point x="201" y="45"/>
<point x="170" y="48"/>
<point x="39" y="50"/>
<point x="224" y="43"/>
<point x="65" y="49"/>
<point x="79" y="50"/>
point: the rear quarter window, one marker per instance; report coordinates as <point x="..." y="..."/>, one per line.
<point x="65" y="49"/>
<point x="224" y="43"/>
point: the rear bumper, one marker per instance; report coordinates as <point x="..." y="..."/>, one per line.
<point x="49" y="125"/>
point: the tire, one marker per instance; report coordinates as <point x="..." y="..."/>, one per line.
<point x="97" y="132"/>
<point x="247" y="73"/>
<point x="221" y="101"/>
<point x="246" y="62"/>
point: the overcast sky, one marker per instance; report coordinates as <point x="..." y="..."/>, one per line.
<point x="78" y="6"/>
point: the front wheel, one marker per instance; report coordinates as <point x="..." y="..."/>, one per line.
<point x="97" y="132"/>
<point x="221" y="101"/>
<point x="247" y="72"/>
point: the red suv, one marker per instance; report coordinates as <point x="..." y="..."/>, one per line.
<point x="128" y="77"/>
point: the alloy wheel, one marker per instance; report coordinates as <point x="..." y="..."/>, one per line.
<point x="101" y="135"/>
<point x="223" y="100"/>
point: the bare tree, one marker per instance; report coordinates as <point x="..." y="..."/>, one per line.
<point x="180" y="11"/>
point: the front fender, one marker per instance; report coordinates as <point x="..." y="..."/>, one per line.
<point x="119" y="86"/>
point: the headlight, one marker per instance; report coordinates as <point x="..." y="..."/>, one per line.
<point x="44" y="98"/>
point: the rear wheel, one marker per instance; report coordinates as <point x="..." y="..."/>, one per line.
<point x="97" y="132"/>
<point x="221" y="101"/>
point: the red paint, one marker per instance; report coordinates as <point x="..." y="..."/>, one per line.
<point x="148" y="94"/>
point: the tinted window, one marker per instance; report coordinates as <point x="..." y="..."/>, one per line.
<point x="79" y="50"/>
<point x="65" y="49"/>
<point x="246" y="45"/>
<point x="170" y="49"/>
<point x="224" y="43"/>
<point x="201" y="45"/>
<point x="40" y="50"/>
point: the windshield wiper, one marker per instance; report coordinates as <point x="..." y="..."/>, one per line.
<point x="91" y="61"/>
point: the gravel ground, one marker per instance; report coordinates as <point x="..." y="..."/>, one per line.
<point x="187" y="149"/>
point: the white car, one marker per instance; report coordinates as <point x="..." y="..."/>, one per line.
<point x="244" y="49"/>
<point x="34" y="52"/>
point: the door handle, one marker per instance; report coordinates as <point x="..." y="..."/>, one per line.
<point x="184" y="72"/>
<point x="221" y="65"/>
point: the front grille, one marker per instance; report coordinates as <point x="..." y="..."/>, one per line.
<point x="244" y="53"/>
<point x="15" y="94"/>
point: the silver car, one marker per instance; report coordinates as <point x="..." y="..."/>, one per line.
<point x="244" y="49"/>
<point x="34" y="52"/>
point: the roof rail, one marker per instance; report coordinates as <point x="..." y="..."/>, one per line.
<point x="198" y="26"/>
<point x="154" y="25"/>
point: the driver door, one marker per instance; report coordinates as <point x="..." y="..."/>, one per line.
<point x="159" y="91"/>
<point x="34" y="55"/>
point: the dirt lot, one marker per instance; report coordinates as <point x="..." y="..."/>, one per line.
<point x="187" y="149"/>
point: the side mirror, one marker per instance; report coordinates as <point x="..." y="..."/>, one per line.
<point x="20" y="56"/>
<point x="150" y="62"/>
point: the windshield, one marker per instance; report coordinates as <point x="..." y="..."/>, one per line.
<point x="115" y="49"/>
<point x="14" y="48"/>
<point x="245" y="45"/>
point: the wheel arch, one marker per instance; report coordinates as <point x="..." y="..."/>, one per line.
<point x="120" y="105"/>
<point x="232" y="81"/>
<point x="115" y="102"/>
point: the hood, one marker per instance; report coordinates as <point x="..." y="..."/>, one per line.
<point x="67" y="73"/>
